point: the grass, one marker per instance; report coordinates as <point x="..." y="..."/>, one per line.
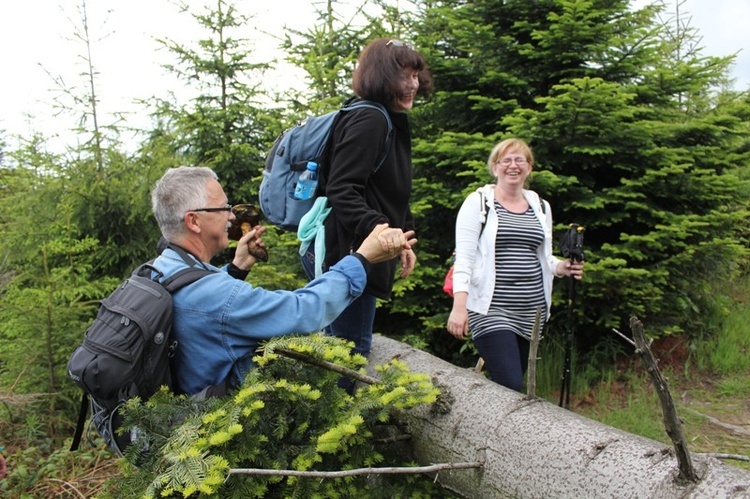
<point x="715" y="412"/>
<point x="712" y="396"/>
<point x="729" y="351"/>
<point x="734" y="386"/>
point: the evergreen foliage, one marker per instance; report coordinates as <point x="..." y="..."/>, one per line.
<point x="287" y="415"/>
<point x="637" y="136"/>
<point x="631" y="138"/>
<point x="226" y="125"/>
<point x="53" y="275"/>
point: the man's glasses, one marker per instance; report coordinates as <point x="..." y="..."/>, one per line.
<point x="520" y="161"/>
<point x="398" y="43"/>
<point x="226" y="207"/>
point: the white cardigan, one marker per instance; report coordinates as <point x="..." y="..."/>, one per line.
<point x="474" y="269"/>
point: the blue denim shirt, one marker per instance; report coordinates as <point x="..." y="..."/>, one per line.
<point x="219" y="321"/>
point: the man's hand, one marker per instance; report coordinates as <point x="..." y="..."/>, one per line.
<point x="251" y="249"/>
<point x="384" y="243"/>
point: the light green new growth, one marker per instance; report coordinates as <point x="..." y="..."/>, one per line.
<point x="288" y="414"/>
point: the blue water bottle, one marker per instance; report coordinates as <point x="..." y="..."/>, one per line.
<point x="307" y="183"/>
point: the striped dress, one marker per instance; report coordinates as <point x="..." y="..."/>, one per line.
<point x="518" y="276"/>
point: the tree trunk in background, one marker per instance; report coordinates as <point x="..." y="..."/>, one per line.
<point x="533" y="449"/>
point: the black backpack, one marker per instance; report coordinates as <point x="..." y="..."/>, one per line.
<point x="127" y="349"/>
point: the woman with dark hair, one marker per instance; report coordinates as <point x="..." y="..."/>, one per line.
<point x="393" y="74"/>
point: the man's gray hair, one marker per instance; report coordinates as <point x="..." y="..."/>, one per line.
<point x="180" y="190"/>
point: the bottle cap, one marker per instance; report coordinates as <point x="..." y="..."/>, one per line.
<point x="312" y="165"/>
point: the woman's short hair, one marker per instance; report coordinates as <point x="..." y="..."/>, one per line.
<point x="506" y="145"/>
<point x="380" y="68"/>
<point x="178" y="191"/>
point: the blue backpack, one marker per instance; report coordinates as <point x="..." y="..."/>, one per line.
<point x="288" y="157"/>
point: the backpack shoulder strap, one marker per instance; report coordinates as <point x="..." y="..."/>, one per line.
<point x="184" y="277"/>
<point x="180" y="278"/>
<point x="82" y="412"/>
<point x="482" y="209"/>
<point x="542" y="203"/>
<point x="540" y="200"/>
<point x="372" y="105"/>
<point x="183" y="254"/>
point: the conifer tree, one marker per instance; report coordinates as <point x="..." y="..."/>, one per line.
<point x="224" y="126"/>
<point x="287" y="415"/>
<point x="628" y="138"/>
<point x="72" y="227"/>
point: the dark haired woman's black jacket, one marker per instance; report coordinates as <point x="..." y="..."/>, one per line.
<point x="361" y="199"/>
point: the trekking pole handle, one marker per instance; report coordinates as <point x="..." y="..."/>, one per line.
<point x="571" y="245"/>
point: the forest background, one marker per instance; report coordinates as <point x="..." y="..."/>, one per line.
<point x="638" y="136"/>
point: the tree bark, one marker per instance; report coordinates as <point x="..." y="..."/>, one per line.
<point x="534" y="449"/>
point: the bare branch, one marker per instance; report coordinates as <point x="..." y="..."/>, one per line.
<point x="533" y="349"/>
<point x="734" y="428"/>
<point x="358" y="471"/>
<point x="632" y="343"/>
<point x="349" y="373"/>
<point x="736" y="457"/>
<point x="671" y="421"/>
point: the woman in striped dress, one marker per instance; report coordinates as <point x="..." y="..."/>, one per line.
<point x="504" y="265"/>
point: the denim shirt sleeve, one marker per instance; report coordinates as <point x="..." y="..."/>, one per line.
<point x="261" y="314"/>
<point x="220" y="321"/>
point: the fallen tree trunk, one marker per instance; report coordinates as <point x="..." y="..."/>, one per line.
<point x="533" y="449"/>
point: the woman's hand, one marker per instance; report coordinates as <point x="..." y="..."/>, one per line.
<point x="458" y="321"/>
<point x="408" y="262"/>
<point x="571" y="269"/>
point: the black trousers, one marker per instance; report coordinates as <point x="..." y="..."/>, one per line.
<point x="506" y="357"/>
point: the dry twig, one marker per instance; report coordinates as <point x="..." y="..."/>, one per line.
<point x="736" y="457"/>
<point x="671" y="421"/>
<point x="533" y="349"/>
<point x="349" y="373"/>
<point x="727" y="426"/>
<point x="632" y="343"/>
<point x="358" y="471"/>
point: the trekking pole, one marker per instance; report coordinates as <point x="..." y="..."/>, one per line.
<point x="571" y="248"/>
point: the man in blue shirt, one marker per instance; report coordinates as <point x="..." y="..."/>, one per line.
<point x="220" y="320"/>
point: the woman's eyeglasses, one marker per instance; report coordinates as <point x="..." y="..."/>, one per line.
<point x="520" y="161"/>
